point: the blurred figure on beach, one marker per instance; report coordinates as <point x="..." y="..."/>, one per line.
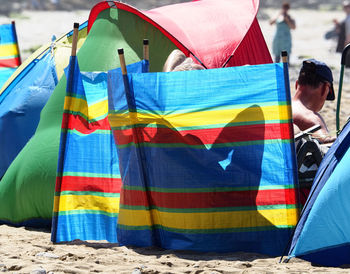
<point x="343" y="30"/>
<point x="36" y="5"/>
<point x="55" y="4"/>
<point x="282" y="40"/>
<point x="313" y="87"/>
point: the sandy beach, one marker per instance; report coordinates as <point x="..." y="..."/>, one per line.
<point x="30" y="251"/>
<point x="25" y="250"/>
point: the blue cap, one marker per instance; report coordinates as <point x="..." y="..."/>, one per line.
<point x="322" y="70"/>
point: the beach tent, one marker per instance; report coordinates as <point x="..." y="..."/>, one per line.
<point x="25" y="94"/>
<point x="322" y="234"/>
<point x="222" y="27"/>
<point x="214" y="33"/>
<point x="9" y="51"/>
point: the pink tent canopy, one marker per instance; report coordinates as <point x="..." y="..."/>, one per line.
<point x="215" y="33"/>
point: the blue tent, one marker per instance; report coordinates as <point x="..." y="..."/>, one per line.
<point x="20" y="111"/>
<point x="25" y="94"/>
<point x="322" y="234"/>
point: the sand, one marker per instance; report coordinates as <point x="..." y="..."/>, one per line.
<point x="30" y="251"/>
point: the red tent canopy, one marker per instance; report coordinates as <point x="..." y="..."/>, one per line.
<point x="216" y="33"/>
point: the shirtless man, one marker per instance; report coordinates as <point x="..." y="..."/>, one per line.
<point x="313" y="87"/>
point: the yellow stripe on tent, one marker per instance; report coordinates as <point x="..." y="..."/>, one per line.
<point x="204" y="117"/>
<point x="86" y="202"/>
<point x="215" y="220"/>
<point x="90" y="112"/>
<point x="8" y="50"/>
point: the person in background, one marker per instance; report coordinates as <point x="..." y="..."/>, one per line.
<point x="36" y="5"/>
<point x="343" y="29"/>
<point x="177" y="61"/>
<point x="313" y="87"/>
<point x="282" y="40"/>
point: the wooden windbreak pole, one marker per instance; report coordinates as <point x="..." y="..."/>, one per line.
<point x="65" y="122"/>
<point x="284" y="57"/>
<point x="146" y="49"/>
<point x="75" y="39"/>
<point x="122" y="61"/>
<point x="136" y="131"/>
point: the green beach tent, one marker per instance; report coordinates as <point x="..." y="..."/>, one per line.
<point x="234" y="38"/>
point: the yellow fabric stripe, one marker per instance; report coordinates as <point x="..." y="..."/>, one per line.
<point x="8" y="50"/>
<point x="216" y="220"/>
<point x="86" y="202"/>
<point x="205" y="117"/>
<point x="90" y="112"/>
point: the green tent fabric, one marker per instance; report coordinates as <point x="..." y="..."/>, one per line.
<point x="27" y="188"/>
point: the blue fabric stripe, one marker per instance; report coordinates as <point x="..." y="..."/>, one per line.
<point x="116" y="95"/>
<point x="95" y="86"/>
<point x="7" y="35"/>
<point x="247" y="85"/>
<point x="89" y="154"/>
<point x="266" y="242"/>
<point x="86" y="227"/>
<point x="74" y="78"/>
<point x="260" y="165"/>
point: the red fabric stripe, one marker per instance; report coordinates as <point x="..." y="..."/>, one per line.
<point x="72" y="183"/>
<point x="10" y="63"/>
<point x="208" y="136"/>
<point x="80" y="124"/>
<point x="209" y="199"/>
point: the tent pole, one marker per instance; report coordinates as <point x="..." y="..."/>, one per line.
<point x="146" y="49"/>
<point x="284" y="55"/>
<point x="136" y="131"/>
<point x="70" y="86"/>
<point x="342" y="67"/>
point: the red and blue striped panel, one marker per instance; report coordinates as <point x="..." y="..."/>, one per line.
<point x="88" y="182"/>
<point x="207" y="160"/>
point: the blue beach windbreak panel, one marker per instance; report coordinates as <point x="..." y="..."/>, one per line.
<point x="88" y="180"/>
<point x="206" y="158"/>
